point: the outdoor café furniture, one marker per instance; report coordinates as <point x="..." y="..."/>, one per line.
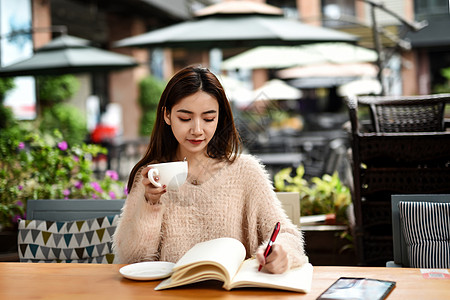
<point x="101" y="281"/>
<point x="401" y="146"/>
<point x="69" y="230"/>
<point x="80" y="230"/>
<point x="433" y="234"/>
<point x="72" y="209"/>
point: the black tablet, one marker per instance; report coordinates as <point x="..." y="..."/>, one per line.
<point x="352" y="288"/>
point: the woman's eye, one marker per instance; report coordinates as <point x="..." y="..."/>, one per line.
<point x="184" y="119"/>
<point x="209" y="120"/>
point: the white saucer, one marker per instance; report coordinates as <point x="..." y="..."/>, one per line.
<point x="149" y="270"/>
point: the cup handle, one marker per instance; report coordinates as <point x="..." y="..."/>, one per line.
<point x="151" y="173"/>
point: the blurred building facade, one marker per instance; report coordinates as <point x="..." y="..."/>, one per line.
<point x="418" y="68"/>
<point x="410" y="72"/>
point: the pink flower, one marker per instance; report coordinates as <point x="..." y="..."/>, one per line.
<point x="78" y="185"/>
<point x="21" y="145"/>
<point x="112" y="174"/>
<point x="76" y="158"/>
<point x="112" y="195"/>
<point x="20" y="187"/>
<point x="66" y="194"/>
<point x="16" y="218"/>
<point x="19" y="203"/>
<point x="62" y="146"/>
<point x="125" y="190"/>
<point x="96" y="186"/>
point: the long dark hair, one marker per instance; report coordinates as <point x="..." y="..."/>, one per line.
<point x="225" y="143"/>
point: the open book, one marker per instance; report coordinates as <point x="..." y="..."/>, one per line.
<point x="223" y="259"/>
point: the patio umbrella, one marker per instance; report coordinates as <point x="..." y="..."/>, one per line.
<point x="364" y="86"/>
<point x="67" y="55"/>
<point x="236" y="90"/>
<point x="271" y="57"/>
<point x="276" y="89"/>
<point x="330" y="70"/>
<point x="277" y="57"/>
<point x="232" y="24"/>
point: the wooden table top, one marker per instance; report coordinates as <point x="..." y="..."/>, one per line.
<point x="96" y="281"/>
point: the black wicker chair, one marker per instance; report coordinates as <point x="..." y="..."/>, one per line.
<point x="401" y="147"/>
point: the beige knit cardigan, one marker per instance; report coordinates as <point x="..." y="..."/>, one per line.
<point x="238" y="202"/>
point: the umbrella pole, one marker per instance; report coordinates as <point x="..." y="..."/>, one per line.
<point x="378" y="49"/>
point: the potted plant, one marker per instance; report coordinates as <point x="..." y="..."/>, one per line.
<point x="326" y="195"/>
<point x="325" y="244"/>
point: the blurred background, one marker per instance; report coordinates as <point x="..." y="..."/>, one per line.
<point x="80" y="81"/>
<point x="287" y="91"/>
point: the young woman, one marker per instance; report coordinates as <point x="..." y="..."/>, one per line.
<point x="227" y="194"/>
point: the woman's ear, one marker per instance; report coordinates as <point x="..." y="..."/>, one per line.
<point x="166" y="116"/>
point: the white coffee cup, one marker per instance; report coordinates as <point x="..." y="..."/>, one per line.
<point x="171" y="174"/>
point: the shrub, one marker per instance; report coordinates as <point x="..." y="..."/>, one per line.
<point x="56" y="89"/>
<point x="150" y="90"/>
<point x="34" y="168"/>
<point x="68" y="120"/>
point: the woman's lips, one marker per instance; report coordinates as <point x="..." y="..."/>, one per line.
<point x="195" y="142"/>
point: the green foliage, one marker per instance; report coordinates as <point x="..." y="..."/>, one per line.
<point x="68" y="120"/>
<point x="147" y="120"/>
<point x="6" y="117"/>
<point x="57" y="89"/>
<point x="6" y="114"/>
<point x="326" y="195"/>
<point x="35" y="168"/>
<point x="444" y="87"/>
<point x="150" y="90"/>
<point x="6" y="84"/>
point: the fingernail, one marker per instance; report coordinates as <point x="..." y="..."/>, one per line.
<point x="164" y="186"/>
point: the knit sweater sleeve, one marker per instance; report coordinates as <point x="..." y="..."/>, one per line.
<point x="137" y="236"/>
<point x="266" y="209"/>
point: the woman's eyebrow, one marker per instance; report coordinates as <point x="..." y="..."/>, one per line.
<point x="185" y="111"/>
<point x="212" y="111"/>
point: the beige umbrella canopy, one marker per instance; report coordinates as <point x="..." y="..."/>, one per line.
<point x="277" y="57"/>
<point x="271" y="57"/>
<point x="363" y="86"/>
<point x="331" y="70"/>
<point x="276" y="89"/>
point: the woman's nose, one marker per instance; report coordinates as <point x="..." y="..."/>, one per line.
<point x="197" y="126"/>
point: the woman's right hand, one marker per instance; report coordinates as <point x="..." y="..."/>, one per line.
<point x="152" y="193"/>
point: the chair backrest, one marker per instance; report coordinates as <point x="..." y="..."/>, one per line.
<point x="69" y="230"/>
<point x="290" y="202"/>
<point x="399" y="243"/>
<point x="72" y="209"/>
<point x="407" y="113"/>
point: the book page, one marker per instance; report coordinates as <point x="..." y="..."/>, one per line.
<point x="297" y="280"/>
<point x="215" y="259"/>
<point x="227" y="252"/>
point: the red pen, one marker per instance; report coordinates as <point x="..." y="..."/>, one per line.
<point x="271" y="241"/>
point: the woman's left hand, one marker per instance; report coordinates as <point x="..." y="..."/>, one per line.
<point x="276" y="262"/>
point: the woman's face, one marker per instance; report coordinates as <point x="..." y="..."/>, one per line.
<point x="194" y="121"/>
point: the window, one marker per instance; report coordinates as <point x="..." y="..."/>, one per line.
<point x="336" y="12"/>
<point x="431" y="7"/>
